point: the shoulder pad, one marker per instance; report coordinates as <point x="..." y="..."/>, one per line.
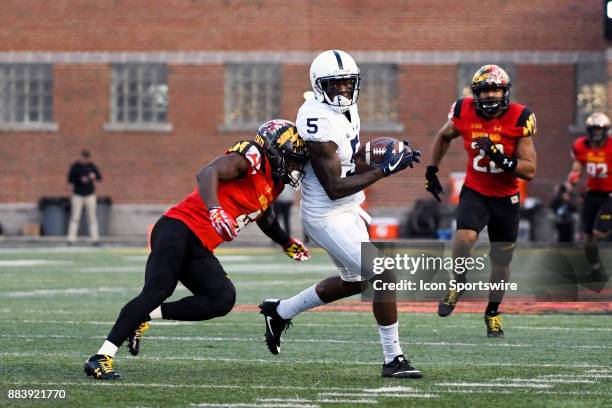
<point x="251" y="151"/>
<point x="527" y="120"/>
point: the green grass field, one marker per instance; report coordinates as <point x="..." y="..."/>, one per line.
<point x="56" y="307"/>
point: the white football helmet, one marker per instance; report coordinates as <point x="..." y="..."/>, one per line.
<point x="327" y="71"/>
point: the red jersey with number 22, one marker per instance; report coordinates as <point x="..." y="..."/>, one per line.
<point x="597" y="162"/>
<point x="244" y="199"/>
<point x="482" y="174"/>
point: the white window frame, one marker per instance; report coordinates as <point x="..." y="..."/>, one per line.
<point x="152" y="101"/>
<point x="252" y="95"/>
<point x="590" y="94"/>
<point x="38" y="100"/>
<point x="379" y="95"/>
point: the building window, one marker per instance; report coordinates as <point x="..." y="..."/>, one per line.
<point x="465" y="72"/>
<point x="139" y="98"/>
<point x="26" y="97"/>
<point x="591" y="92"/>
<point x="379" y="98"/>
<point x="252" y="95"/>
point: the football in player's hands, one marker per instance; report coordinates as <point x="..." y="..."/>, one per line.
<point x="371" y="153"/>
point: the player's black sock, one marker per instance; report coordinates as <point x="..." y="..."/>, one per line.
<point x="492" y="308"/>
<point x="592" y="253"/>
<point x="460" y="277"/>
<point x="134" y="313"/>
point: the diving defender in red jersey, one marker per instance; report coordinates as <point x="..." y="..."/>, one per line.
<point x="593" y="154"/>
<point x="498" y="138"/>
<point x="233" y="190"/>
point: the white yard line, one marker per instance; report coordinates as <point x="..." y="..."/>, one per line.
<point x="587" y="374"/>
<point x="389" y="389"/>
<point x="415" y="394"/>
<point x="510" y="327"/>
<point x="277" y="361"/>
<point x="328" y="401"/>
<point x="255" y="405"/>
<point x="490" y="384"/>
<point x="579" y="393"/>
<point x="210" y="323"/>
<point x="110" y="269"/>
<point x="205" y="386"/>
<point x="548" y="380"/>
<point x="17" y="263"/>
<point x="67" y="291"/>
<point x="165" y="323"/>
<point x="315" y="340"/>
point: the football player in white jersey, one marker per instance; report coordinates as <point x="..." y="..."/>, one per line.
<point x="332" y="192"/>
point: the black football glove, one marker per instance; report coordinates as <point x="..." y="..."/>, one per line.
<point x="432" y="182"/>
<point x="506" y="163"/>
<point x="392" y="163"/>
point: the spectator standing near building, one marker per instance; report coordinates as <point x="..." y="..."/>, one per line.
<point x="83" y="175"/>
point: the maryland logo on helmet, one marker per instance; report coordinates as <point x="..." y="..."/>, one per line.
<point x="490" y="76"/>
<point x="285" y="149"/>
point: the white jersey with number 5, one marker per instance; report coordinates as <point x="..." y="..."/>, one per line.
<point x="317" y="122"/>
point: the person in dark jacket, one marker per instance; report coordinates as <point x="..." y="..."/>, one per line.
<point x="83" y="175"/>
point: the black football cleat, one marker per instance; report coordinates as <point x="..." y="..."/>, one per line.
<point x="134" y="339"/>
<point x="100" y="367"/>
<point x="275" y="325"/>
<point x="400" y="368"/>
<point x="447" y="305"/>
<point x="493" y="324"/>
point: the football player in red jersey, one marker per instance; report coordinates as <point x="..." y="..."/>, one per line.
<point x="593" y="153"/>
<point x="498" y="137"/>
<point x="232" y="190"/>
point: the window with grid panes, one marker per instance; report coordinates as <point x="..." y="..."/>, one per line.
<point x="139" y="97"/>
<point x="379" y="98"/>
<point x="26" y="97"/>
<point x="591" y="92"/>
<point x="252" y="94"/>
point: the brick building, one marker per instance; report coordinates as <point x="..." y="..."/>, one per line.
<point x="156" y="89"/>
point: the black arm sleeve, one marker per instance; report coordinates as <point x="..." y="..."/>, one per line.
<point x="269" y="225"/>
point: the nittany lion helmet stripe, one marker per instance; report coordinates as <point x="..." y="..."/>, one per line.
<point x="339" y="59"/>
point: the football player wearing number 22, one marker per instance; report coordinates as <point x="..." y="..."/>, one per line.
<point x="498" y="137"/>
<point x="329" y="123"/>
<point x="232" y="190"/>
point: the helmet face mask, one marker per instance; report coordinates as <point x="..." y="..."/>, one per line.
<point x="597" y="134"/>
<point x="285" y="149"/>
<point x="335" y="80"/>
<point x="598" y="126"/>
<point x="339" y="92"/>
<point x="491" y="77"/>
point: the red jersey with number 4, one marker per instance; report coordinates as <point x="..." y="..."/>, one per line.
<point x="482" y="174"/>
<point x="597" y="161"/>
<point x="244" y="199"/>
